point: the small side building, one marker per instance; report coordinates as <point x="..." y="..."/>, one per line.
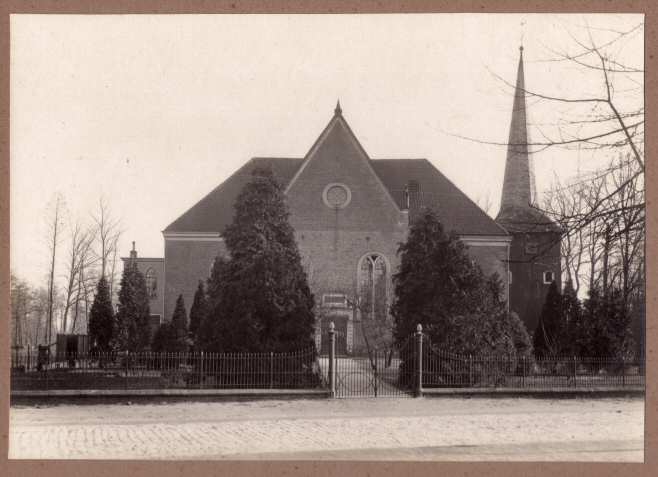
<point x="153" y="271"/>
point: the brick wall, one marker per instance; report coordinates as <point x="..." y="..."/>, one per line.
<point x="187" y="262"/>
<point x="156" y="303"/>
<point x="528" y="290"/>
<point x="492" y="259"/>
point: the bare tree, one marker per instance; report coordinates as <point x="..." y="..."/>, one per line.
<point x="20" y="296"/>
<point x="79" y="245"/>
<point x="54" y="238"/>
<point x="107" y="235"/>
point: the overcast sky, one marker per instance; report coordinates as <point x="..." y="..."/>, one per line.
<point x="154" y="111"/>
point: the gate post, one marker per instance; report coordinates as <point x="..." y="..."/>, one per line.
<point x="419" y="340"/>
<point x="201" y="377"/>
<point x="332" y="358"/>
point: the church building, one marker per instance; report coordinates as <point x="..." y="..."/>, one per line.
<point x="350" y="212"/>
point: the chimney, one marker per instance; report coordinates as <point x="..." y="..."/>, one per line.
<point x="133" y="252"/>
<point x="412" y="199"/>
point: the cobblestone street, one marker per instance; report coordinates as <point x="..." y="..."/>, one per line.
<point x="394" y="429"/>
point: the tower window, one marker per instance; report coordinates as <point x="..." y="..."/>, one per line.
<point x="548" y="277"/>
<point x="531" y="248"/>
<point x="151" y="283"/>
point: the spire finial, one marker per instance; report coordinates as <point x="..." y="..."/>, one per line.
<point x="133" y="245"/>
<point x="338" y="111"/>
<point x="522" y="35"/>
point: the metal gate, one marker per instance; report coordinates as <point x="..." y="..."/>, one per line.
<point x="384" y="372"/>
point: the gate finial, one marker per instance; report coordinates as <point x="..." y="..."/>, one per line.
<point x="419" y="328"/>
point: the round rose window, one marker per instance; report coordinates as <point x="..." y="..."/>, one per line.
<point x="336" y="196"/>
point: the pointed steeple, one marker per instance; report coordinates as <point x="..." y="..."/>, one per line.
<point x="517" y="190"/>
<point x="338" y="111"/>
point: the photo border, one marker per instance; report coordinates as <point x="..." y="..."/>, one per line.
<point x="70" y="468"/>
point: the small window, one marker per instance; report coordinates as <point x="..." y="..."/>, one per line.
<point x="509" y="277"/>
<point x="531" y="248"/>
<point x="548" y="278"/>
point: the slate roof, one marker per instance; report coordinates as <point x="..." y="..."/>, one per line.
<point x="215" y="211"/>
<point x="457" y="212"/>
<point x="526" y="219"/>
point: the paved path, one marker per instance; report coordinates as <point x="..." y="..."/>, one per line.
<point x="382" y="429"/>
<point x="355" y="377"/>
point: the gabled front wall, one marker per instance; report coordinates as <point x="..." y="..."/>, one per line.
<point x="332" y="241"/>
<point x="338" y="158"/>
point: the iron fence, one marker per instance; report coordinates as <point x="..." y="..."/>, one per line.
<point x="149" y="370"/>
<point x="444" y="369"/>
<point x="398" y="370"/>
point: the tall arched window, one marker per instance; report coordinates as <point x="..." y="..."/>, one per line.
<point x="151" y="283"/>
<point x="372" y="287"/>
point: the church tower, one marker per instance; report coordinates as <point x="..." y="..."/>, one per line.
<point x="534" y="260"/>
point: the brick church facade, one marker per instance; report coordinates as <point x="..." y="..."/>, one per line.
<point x="350" y="212"/>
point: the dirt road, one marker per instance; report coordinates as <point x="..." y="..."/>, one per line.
<point x="608" y="429"/>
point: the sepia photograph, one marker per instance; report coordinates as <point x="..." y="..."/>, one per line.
<point x="367" y="237"/>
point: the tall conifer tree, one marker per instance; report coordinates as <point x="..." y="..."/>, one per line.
<point x="549" y="332"/>
<point x="259" y="297"/>
<point x="439" y="286"/>
<point x="198" y="311"/>
<point x="101" y="318"/>
<point x="133" y="315"/>
<point x="179" y="327"/>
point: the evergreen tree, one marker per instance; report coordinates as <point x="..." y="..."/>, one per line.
<point x="608" y="325"/>
<point x="439" y="286"/>
<point x="163" y="338"/>
<point x="179" y="327"/>
<point x="101" y="318"/>
<point x="198" y="311"/>
<point x="548" y="334"/>
<point x="520" y="337"/>
<point x="133" y="315"/>
<point x="259" y="298"/>
<point x="573" y="338"/>
<point x="172" y="337"/>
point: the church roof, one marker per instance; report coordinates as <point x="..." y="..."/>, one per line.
<point x="457" y="212"/>
<point x="215" y="211"/>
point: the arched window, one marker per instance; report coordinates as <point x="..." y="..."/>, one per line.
<point x="372" y="287"/>
<point x="151" y="283"/>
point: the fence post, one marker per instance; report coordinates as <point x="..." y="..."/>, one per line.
<point x="419" y="339"/>
<point x="623" y="372"/>
<point x="470" y="370"/>
<point x="575" y="372"/>
<point x="523" y="360"/>
<point x="125" y="382"/>
<point x="201" y="371"/>
<point x="332" y="357"/>
<point x="271" y="369"/>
